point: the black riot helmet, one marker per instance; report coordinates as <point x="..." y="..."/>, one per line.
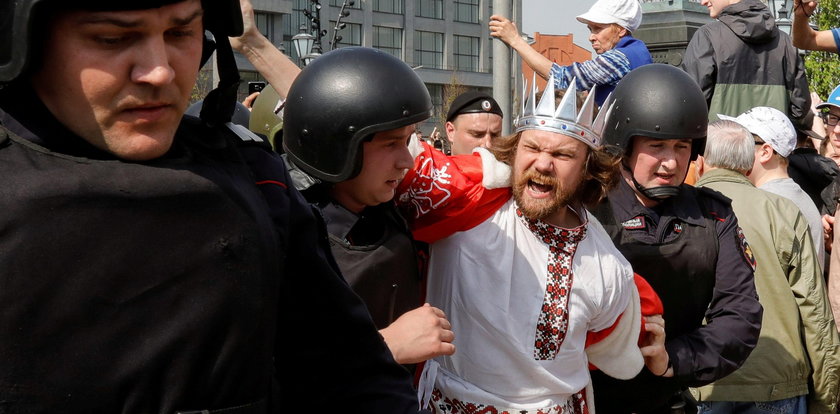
<point x="656" y="101"/>
<point x="20" y="19"/>
<point x="341" y="99"/>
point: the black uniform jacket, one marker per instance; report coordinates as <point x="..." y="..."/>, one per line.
<point x="174" y="284"/>
<point x="692" y="252"/>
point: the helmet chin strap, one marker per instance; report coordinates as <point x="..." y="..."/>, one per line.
<point x="658" y="193"/>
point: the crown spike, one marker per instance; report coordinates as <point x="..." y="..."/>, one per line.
<point x="567" y="109"/>
<point x="587" y="112"/>
<point x="531" y="109"/>
<point x="601" y="120"/>
<point x="546" y="105"/>
<point x="564" y="119"/>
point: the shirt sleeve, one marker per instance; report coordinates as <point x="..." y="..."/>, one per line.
<point x="836" y="33"/>
<point x="615" y="350"/>
<point x="445" y="194"/>
<point x="606" y="69"/>
<point x="733" y="319"/>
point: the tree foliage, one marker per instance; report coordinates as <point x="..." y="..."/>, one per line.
<point x="823" y="68"/>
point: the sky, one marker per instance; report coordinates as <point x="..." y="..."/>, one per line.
<point x="556" y="17"/>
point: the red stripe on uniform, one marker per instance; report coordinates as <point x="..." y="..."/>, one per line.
<point x="272" y="182"/>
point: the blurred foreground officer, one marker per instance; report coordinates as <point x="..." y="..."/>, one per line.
<point x="798" y="345"/>
<point x="154" y="263"/>
<point x="474" y="120"/>
<point x="683" y="240"/>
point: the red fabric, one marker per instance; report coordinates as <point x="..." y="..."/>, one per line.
<point x="443" y="195"/>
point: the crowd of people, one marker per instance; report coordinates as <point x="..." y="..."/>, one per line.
<point x="156" y="258"/>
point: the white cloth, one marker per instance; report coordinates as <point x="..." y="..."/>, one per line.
<point x="490" y="280"/>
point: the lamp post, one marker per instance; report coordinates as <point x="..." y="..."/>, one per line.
<point x="303" y="42"/>
<point x="782" y="21"/>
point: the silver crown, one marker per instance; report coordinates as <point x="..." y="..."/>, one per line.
<point x="564" y="119"/>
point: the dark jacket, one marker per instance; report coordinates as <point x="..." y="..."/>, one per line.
<point x="173" y="284"/>
<point x="743" y="60"/>
<point x="692" y="252"/>
<point x="817" y="175"/>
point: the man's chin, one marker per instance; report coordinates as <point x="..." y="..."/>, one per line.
<point x="140" y="148"/>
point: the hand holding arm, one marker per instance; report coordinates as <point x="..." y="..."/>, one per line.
<point x="419" y="334"/>
<point x="653" y="347"/>
<point x="276" y="67"/>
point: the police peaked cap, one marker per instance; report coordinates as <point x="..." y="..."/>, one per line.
<point x="473" y="102"/>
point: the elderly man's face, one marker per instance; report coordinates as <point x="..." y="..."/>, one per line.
<point x="604" y="37"/>
<point x="547" y="172"/>
<point x="121" y="80"/>
<point x="473" y="130"/>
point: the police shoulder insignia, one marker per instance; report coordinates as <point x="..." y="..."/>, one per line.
<point x="634" y="223"/>
<point x="746" y="251"/>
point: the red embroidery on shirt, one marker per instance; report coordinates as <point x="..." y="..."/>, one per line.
<point x="553" y="321"/>
<point x="441" y="404"/>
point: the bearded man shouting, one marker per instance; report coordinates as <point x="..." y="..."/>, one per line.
<point x="532" y="284"/>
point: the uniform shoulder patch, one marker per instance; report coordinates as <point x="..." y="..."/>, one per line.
<point x="634" y="223"/>
<point x="746" y="251"/>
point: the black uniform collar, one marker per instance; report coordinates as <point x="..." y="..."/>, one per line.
<point x="684" y="206"/>
<point x="339" y="220"/>
<point x="22" y="112"/>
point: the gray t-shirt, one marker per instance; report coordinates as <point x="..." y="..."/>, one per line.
<point x="789" y="189"/>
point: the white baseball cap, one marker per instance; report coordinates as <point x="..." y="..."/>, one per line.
<point x="625" y="13"/>
<point x="771" y="125"/>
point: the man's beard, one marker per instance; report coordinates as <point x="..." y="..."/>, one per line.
<point x="539" y="209"/>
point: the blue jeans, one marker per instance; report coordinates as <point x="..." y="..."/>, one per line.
<point x="795" y="405"/>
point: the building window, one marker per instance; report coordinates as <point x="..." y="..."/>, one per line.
<point x="428" y="49"/>
<point x="351" y="34"/>
<point x="389" y="6"/>
<point x="466" y="11"/>
<point x="466" y="53"/>
<point x="291" y="27"/>
<point x="430" y="8"/>
<point x="388" y="39"/>
<point x="357" y="4"/>
<point x="436" y="92"/>
<point x="265" y="24"/>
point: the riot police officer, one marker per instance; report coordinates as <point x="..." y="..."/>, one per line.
<point x="151" y="262"/>
<point x="684" y="241"/>
<point x="348" y="119"/>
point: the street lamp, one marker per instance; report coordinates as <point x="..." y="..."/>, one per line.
<point x="310" y="57"/>
<point x="303" y="42"/>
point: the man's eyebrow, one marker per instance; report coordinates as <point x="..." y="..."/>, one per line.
<point x="119" y="21"/>
<point x="179" y="21"/>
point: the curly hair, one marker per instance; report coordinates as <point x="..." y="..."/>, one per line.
<point x="601" y="175"/>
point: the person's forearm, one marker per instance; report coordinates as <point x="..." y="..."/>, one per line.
<point x="537" y="62"/>
<point x="276" y="67"/>
<point x="802" y="34"/>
